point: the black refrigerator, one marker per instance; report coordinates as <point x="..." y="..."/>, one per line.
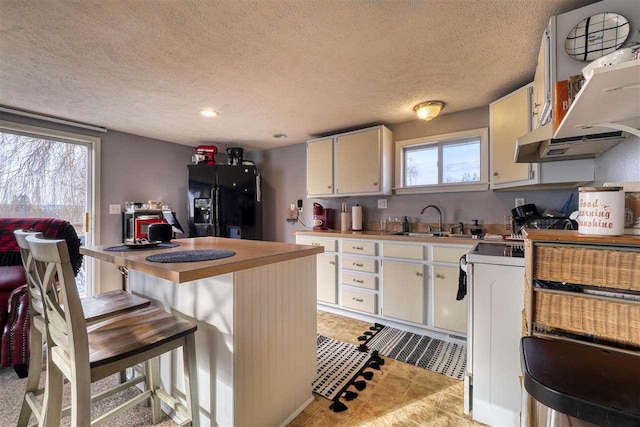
<point x="225" y="201"/>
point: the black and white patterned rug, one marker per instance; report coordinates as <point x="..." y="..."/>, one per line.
<point x="445" y="357"/>
<point x="341" y="366"/>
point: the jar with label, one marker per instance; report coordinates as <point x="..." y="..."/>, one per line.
<point x="601" y="211"/>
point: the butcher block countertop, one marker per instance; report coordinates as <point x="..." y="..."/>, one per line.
<point x="572" y="236"/>
<point x="249" y="254"/>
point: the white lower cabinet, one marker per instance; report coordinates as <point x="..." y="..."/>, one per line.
<point x="411" y="283"/>
<point x="448" y="313"/>
<point x="326" y="267"/>
<point x="327" y="274"/>
<point x="403" y="295"/>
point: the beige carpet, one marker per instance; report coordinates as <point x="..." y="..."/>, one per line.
<point x="13" y="390"/>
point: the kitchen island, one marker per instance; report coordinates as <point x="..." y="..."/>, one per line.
<point x="256" y="317"/>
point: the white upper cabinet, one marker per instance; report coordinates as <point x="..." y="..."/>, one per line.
<point x="511" y="117"/>
<point x="320" y="167"/>
<point x="360" y="163"/>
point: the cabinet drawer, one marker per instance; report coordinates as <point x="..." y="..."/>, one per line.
<point x="362" y="301"/>
<point x="358" y="247"/>
<point x="360" y="264"/>
<point x="449" y="254"/>
<point x="330" y="245"/>
<point x="596" y="267"/>
<point x="392" y="250"/>
<point x="360" y="280"/>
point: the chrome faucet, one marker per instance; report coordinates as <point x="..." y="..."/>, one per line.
<point x="459" y="225"/>
<point x="439" y="215"/>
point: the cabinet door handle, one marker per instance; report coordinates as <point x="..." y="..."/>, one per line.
<point x="355" y="264"/>
<point x="315" y="244"/>
<point x="495" y="174"/>
<point x="358" y="280"/>
<point x="439" y="276"/>
<point x="418" y="274"/>
<point x="375" y="183"/>
<point x="358" y="299"/>
<point x="357" y="248"/>
<point x="329" y="187"/>
<point x="332" y="262"/>
<point x="536" y="105"/>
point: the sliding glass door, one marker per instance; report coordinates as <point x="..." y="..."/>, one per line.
<point x="44" y="175"/>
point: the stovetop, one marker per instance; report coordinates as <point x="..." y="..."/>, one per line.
<point x="506" y="249"/>
<point x="499" y="253"/>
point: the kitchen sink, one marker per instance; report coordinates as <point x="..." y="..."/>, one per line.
<point x="434" y="234"/>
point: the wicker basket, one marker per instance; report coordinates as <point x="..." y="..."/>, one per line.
<point x="596" y="267"/>
<point x="525" y="331"/>
<point x="605" y="319"/>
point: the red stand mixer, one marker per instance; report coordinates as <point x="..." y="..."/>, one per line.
<point x="204" y="153"/>
<point x="321" y="217"/>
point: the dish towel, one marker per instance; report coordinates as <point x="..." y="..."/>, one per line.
<point x="462" y="279"/>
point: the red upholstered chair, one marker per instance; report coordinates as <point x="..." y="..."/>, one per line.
<point x="14" y="319"/>
<point x="14" y="294"/>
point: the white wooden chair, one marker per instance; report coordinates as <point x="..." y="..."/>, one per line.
<point x="95" y="309"/>
<point x="84" y="356"/>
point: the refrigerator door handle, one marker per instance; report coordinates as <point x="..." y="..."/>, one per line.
<point x="216" y="223"/>
<point x="258" y="191"/>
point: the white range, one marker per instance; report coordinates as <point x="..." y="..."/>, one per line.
<point x="496" y="300"/>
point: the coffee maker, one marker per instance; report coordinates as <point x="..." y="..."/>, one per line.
<point x="321" y="217"/>
<point x="235" y="155"/>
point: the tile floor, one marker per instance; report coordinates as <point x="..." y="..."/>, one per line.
<point x="399" y="394"/>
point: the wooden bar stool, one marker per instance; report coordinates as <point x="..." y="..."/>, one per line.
<point x="84" y="356"/>
<point x="95" y="309"/>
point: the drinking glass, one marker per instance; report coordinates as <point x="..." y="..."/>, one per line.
<point x="383" y="225"/>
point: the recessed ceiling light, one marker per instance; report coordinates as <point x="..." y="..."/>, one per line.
<point x="208" y="113"/>
<point x="279" y="135"/>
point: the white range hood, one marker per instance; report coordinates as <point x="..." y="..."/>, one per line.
<point x="604" y="112"/>
<point x="540" y="145"/>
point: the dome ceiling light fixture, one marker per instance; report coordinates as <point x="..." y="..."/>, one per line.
<point x="279" y="135"/>
<point x="428" y="110"/>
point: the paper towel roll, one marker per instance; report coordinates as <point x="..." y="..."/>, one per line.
<point x="356" y="218"/>
<point x="345" y="221"/>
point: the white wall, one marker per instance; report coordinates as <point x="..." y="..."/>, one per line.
<point x="620" y="164"/>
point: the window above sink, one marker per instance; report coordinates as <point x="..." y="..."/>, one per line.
<point x="451" y="162"/>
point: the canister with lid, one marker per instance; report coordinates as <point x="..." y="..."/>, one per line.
<point x="601" y="211"/>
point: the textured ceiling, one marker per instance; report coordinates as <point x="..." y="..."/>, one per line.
<point x="303" y="68"/>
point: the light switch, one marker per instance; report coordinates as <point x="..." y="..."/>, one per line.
<point x="114" y="209"/>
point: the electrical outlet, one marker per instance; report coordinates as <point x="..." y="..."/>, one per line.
<point x="114" y="209"/>
<point x="519" y="201"/>
<point x="382" y="203"/>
